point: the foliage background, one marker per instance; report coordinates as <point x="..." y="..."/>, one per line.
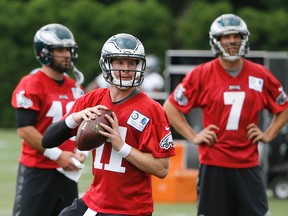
<point x="159" y="24"/>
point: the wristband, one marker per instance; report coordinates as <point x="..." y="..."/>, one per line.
<point x="125" y="150"/>
<point x="53" y="153"/>
<point x="70" y="122"/>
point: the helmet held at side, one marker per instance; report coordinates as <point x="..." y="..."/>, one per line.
<point x="123" y="46"/>
<point x="53" y="36"/>
<point x="224" y="25"/>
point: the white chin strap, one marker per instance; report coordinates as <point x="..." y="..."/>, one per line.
<point x="122" y="88"/>
<point x="227" y="56"/>
<point x="121" y="85"/>
<point x="230" y="58"/>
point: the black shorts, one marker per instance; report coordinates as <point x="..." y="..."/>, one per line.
<point x="226" y="192"/>
<point x="42" y="192"/>
<point x="79" y="208"/>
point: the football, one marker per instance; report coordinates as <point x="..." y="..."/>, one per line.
<point x="88" y="136"/>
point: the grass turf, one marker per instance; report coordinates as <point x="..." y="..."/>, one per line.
<point x="10" y="145"/>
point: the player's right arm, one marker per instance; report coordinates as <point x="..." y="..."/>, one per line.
<point x="25" y="120"/>
<point x="180" y="123"/>
<point x="56" y="134"/>
<point x="60" y="131"/>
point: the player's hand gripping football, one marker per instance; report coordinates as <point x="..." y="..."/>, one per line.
<point x="88" y="113"/>
<point x="112" y="133"/>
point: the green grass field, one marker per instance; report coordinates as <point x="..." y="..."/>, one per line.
<point x="10" y="150"/>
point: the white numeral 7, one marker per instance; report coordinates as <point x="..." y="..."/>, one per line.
<point x="236" y="99"/>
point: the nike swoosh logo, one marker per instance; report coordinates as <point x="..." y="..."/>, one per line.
<point x="167" y="128"/>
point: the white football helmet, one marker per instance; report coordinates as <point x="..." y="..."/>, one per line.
<point x="224" y="25"/>
<point x="123" y="46"/>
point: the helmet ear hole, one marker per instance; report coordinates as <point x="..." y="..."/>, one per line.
<point x="45" y="51"/>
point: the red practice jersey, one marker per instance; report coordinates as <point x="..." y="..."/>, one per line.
<point x="231" y="103"/>
<point x="40" y="93"/>
<point x="118" y="186"/>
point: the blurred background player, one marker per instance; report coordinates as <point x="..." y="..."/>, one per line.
<point x="98" y="82"/>
<point x="153" y="82"/>
<point x="140" y="143"/>
<point x="231" y="91"/>
<point x="41" y="98"/>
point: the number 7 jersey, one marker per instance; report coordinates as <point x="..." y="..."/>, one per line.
<point x="231" y="103"/>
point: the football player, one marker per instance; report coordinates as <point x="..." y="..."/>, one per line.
<point x="139" y="141"/>
<point x="231" y="91"/>
<point x="41" y="98"/>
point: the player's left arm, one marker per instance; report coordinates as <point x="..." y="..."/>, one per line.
<point x="256" y="134"/>
<point x="276" y="103"/>
<point x="278" y="122"/>
<point x="146" y="162"/>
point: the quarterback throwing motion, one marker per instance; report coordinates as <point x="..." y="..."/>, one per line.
<point x="139" y="140"/>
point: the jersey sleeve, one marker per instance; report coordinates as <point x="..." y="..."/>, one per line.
<point x="186" y="94"/>
<point x="275" y="94"/>
<point x="157" y="137"/>
<point x="27" y="94"/>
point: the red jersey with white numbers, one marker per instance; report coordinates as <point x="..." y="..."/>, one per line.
<point x="231" y="103"/>
<point x="40" y="93"/>
<point x="118" y="186"/>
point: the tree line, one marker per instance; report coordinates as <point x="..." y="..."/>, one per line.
<point x="160" y="25"/>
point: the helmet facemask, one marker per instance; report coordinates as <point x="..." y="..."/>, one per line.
<point x="110" y="74"/>
<point x="127" y="47"/>
<point x="220" y="50"/>
<point x="225" y="25"/>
